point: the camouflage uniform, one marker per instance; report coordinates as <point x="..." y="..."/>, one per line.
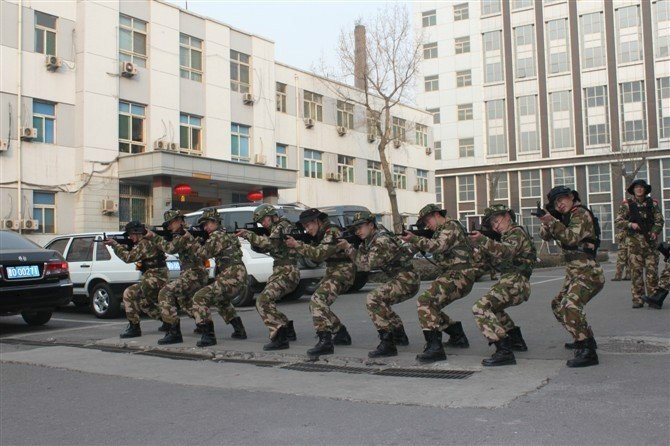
<point x="664" y="279"/>
<point x="622" y="257"/>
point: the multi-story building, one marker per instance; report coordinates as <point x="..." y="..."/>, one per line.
<point x="128" y="108"/>
<point x="529" y="94"/>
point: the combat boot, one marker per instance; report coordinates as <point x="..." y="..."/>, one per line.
<point x="656" y="299"/>
<point x="131" y="331"/>
<point x="433" y="350"/>
<point x="165" y="327"/>
<point x="290" y="332"/>
<point x="279" y="341"/>
<point x="586" y="356"/>
<point x="503" y="354"/>
<point x="516" y="342"/>
<point x="173" y="335"/>
<point x="399" y="336"/>
<point x="342" y="336"/>
<point x="457" y="336"/>
<point x="197" y="329"/>
<point x="208" y="338"/>
<point x="239" y="331"/>
<point x="386" y="347"/>
<point x="577" y="345"/>
<point x="324" y="346"/>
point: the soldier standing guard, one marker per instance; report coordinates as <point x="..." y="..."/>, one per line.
<point x="230" y="280"/>
<point x="339" y="276"/>
<point x="656" y="300"/>
<point x="577" y="234"/>
<point x="284" y="278"/>
<point x="193" y="274"/>
<point x="514" y="256"/>
<point x="383" y="250"/>
<point x="641" y="217"/>
<point x="142" y="296"/>
<point x="452" y="252"/>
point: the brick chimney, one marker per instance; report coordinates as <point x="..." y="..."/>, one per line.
<point x="360" y="57"/>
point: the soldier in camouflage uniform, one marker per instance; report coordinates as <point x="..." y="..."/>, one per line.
<point x="142" y="296"/>
<point x="656" y="300"/>
<point x="339" y="276"/>
<point x="573" y="227"/>
<point x="178" y="292"/>
<point x="514" y="256"/>
<point x="642" y="219"/>
<point x="383" y="250"/>
<point x="230" y="280"/>
<point x="621" y="258"/>
<point x="452" y="252"/>
<point x="285" y="274"/>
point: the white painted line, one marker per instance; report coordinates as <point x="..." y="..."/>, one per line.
<point x="63" y="330"/>
<point x="81" y="322"/>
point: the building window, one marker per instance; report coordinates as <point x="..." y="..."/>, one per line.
<point x="629" y="34"/>
<point x="398" y="128"/>
<point x="633" y="112"/>
<point x="461" y="12"/>
<point x="436" y="114"/>
<point x="373" y="124"/>
<point x="431" y="83"/>
<point x="561" y="119"/>
<point x="558" y="46"/>
<point x="604" y="214"/>
<point x="524" y="51"/>
<point x="282" y="156"/>
<point x="592" y="45"/>
<point x="280" y="97"/>
<point x="345" y="114"/>
<point x="462" y="45"/>
<point x="131" y="127"/>
<point x="45" y="33"/>
<point x="438" y="189"/>
<point x="430" y="50"/>
<point x="465" y="112"/>
<point x="599" y="178"/>
<point x="345" y="168"/>
<point x="44" y="211"/>
<point x="530" y="222"/>
<point x="312" y="106"/>
<point x="466" y="147"/>
<point x="400" y="177"/>
<point x="597" y="118"/>
<point x="190" y="133"/>
<point x="132" y="40"/>
<point x="490" y="7"/>
<point x="630" y="167"/>
<point x="133" y="203"/>
<point x="240" y="69"/>
<point x="521" y="4"/>
<point x="493" y="71"/>
<point x="464" y="78"/>
<point x="501" y="189"/>
<point x="190" y="57"/>
<point x="527" y="124"/>
<point x="438" y="150"/>
<point x="374" y="173"/>
<point x="239" y="142"/>
<point x="666" y="203"/>
<point x="429" y="18"/>
<point x="421" y="134"/>
<point x="466" y="188"/>
<point x="664" y="108"/>
<point x="44" y="120"/>
<point x="531" y="187"/>
<point x="312" y="164"/>
<point x="564" y="176"/>
<point x="662" y="28"/>
<point x="495" y="127"/>
<point x="422" y="180"/>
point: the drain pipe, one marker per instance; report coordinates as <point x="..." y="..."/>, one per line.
<point x="297" y="138"/>
<point x="19" y="115"/>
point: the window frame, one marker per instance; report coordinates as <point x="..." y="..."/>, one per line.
<point x="466" y="150"/>
<point x="46" y="31"/>
<point x="345" y="168"/>
<point x="554" y="120"/>
<point x="530" y="184"/>
<point x="599" y="180"/>
<point x="140" y="145"/>
<point x="399" y="177"/>
<point x="345" y="114"/>
<point x="430" y="50"/>
<point x="43" y="208"/>
<point x="462" y="45"/>
<point x="531" y="113"/>
<point x="428" y="18"/>
<point x="470" y="189"/>
<point x="525" y="66"/>
<point x="663" y="93"/>
<point x="188" y="71"/>
<point x="464" y="78"/>
<point x="421" y="135"/>
<point x="44" y="118"/>
<point x="238" y="65"/>
<point x="374" y="173"/>
<point x="422" y="180"/>
<point x="465" y="112"/>
<point x="132" y="55"/>
<point x="134" y="195"/>
<point x="236" y="131"/>
<point x="566" y="47"/>
<point x="493" y="57"/>
<point x="280" y="97"/>
<point x="500" y="107"/>
<point x="312" y="105"/>
<point x="312" y="165"/>
<point x="431" y="83"/>
<point x="594" y="95"/>
<point x="398" y="128"/>
<point x="281" y="158"/>
<point x="191" y="127"/>
<point x="623" y="96"/>
<point x="461" y="11"/>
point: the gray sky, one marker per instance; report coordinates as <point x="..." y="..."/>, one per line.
<point x="303" y="31"/>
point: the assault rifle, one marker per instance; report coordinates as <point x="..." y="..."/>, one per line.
<point x="539" y="212"/>
<point x="350" y="237"/>
<point x="299" y="234"/>
<point x="485" y="229"/>
<point x="195" y="231"/>
<point x="664" y="248"/>
<point x="119" y="238"/>
<point x="253" y="227"/>
<point x="634" y="217"/>
<point x="420" y="231"/>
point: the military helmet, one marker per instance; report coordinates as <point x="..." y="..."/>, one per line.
<point x="262" y="211"/>
<point x="430" y="209"/>
<point x="134" y="227"/>
<point x="311" y="214"/>
<point x="209" y="214"/>
<point x="639" y="182"/>
<point x="497" y="209"/>
<point x="362" y="217"/>
<point x="169" y="216"/>
<point x="560" y="191"/>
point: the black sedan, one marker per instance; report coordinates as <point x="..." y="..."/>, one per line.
<point x="33" y="280"/>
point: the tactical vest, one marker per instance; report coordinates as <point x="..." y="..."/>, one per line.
<point x="523" y="262"/>
<point x="574" y="251"/>
<point x="642" y="214"/>
<point x="282" y="254"/>
<point x="458" y="254"/>
<point x="337" y="257"/>
<point x="188" y="258"/>
<point x="231" y="252"/>
<point x="401" y="261"/>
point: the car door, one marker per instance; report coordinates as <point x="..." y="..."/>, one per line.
<point x="80" y="258"/>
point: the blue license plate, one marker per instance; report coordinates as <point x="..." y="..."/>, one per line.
<point x="22" y="272"/>
<point x="173" y="265"/>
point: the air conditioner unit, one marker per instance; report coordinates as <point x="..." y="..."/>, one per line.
<point x="159" y="144"/>
<point x="173" y="146"/>
<point x="397" y="143"/>
<point x="372" y="137"/>
<point x="248" y="98"/>
<point x="30" y="225"/>
<point x="28" y="133"/>
<point x="429" y="150"/>
<point x="332" y="176"/>
<point x="52" y="63"/>
<point x="128" y="69"/>
<point x="341" y="130"/>
<point x="417" y="188"/>
<point x="260" y="159"/>
<point x="108" y="207"/>
<point x="10" y="224"/>
<point x="309" y="123"/>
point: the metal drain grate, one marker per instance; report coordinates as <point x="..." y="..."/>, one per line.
<point x="174" y="355"/>
<point x="256" y="362"/>
<point x="313" y="367"/>
<point x="427" y="373"/>
<point x="639" y="346"/>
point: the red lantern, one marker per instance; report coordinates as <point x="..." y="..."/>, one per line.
<point x="182" y="190"/>
<point x="255" y="196"/>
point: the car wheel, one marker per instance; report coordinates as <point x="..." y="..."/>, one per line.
<point x="36" y="317"/>
<point x="104" y="303"/>
<point x="359" y="282"/>
<point x="246" y="297"/>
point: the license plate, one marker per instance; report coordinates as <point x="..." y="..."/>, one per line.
<point x="173" y="265"/>
<point x="22" y="272"/>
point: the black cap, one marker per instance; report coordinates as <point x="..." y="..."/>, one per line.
<point x="134" y="227"/>
<point x="311" y="214"/>
<point x="560" y="191"/>
<point x="631" y="188"/>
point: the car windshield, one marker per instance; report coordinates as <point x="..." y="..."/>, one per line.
<point x="13" y="241"/>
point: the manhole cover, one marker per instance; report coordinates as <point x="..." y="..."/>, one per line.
<point x="634" y="346"/>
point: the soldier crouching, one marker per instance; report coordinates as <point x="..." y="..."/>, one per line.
<point x="656" y="300"/>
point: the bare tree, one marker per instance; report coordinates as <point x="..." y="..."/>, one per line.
<point x="384" y="66"/>
<point x="630" y="159"/>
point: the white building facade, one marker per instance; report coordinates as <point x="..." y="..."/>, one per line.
<point x="530" y="94"/>
<point x="147" y="107"/>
